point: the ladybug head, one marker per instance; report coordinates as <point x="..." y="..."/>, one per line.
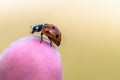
<point x="37" y="28"/>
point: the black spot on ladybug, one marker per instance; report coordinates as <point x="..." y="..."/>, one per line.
<point x="47" y="31"/>
<point x="57" y="35"/>
<point x="45" y="24"/>
<point x="53" y="27"/>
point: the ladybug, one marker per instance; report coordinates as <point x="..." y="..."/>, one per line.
<point x="50" y="30"/>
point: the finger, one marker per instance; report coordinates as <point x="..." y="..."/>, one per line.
<point x="27" y="59"/>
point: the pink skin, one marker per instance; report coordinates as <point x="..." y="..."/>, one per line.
<point x="28" y="59"/>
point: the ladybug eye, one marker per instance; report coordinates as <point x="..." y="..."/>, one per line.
<point x="53" y="27"/>
<point x="57" y="35"/>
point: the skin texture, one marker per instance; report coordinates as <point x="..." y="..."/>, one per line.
<point x="28" y="59"/>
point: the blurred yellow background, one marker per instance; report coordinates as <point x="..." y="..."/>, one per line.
<point x="90" y="48"/>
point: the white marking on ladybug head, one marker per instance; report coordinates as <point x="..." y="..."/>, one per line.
<point x="37" y="27"/>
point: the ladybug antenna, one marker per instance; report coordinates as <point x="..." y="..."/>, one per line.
<point x="32" y="30"/>
<point x="31" y="27"/>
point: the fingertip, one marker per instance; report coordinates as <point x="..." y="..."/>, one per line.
<point x="28" y="58"/>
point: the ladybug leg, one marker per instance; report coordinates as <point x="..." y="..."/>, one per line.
<point x="50" y="41"/>
<point x="41" y="37"/>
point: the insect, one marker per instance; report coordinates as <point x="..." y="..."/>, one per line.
<point x="50" y="30"/>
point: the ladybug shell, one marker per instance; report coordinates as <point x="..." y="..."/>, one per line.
<point x="51" y="31"/>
